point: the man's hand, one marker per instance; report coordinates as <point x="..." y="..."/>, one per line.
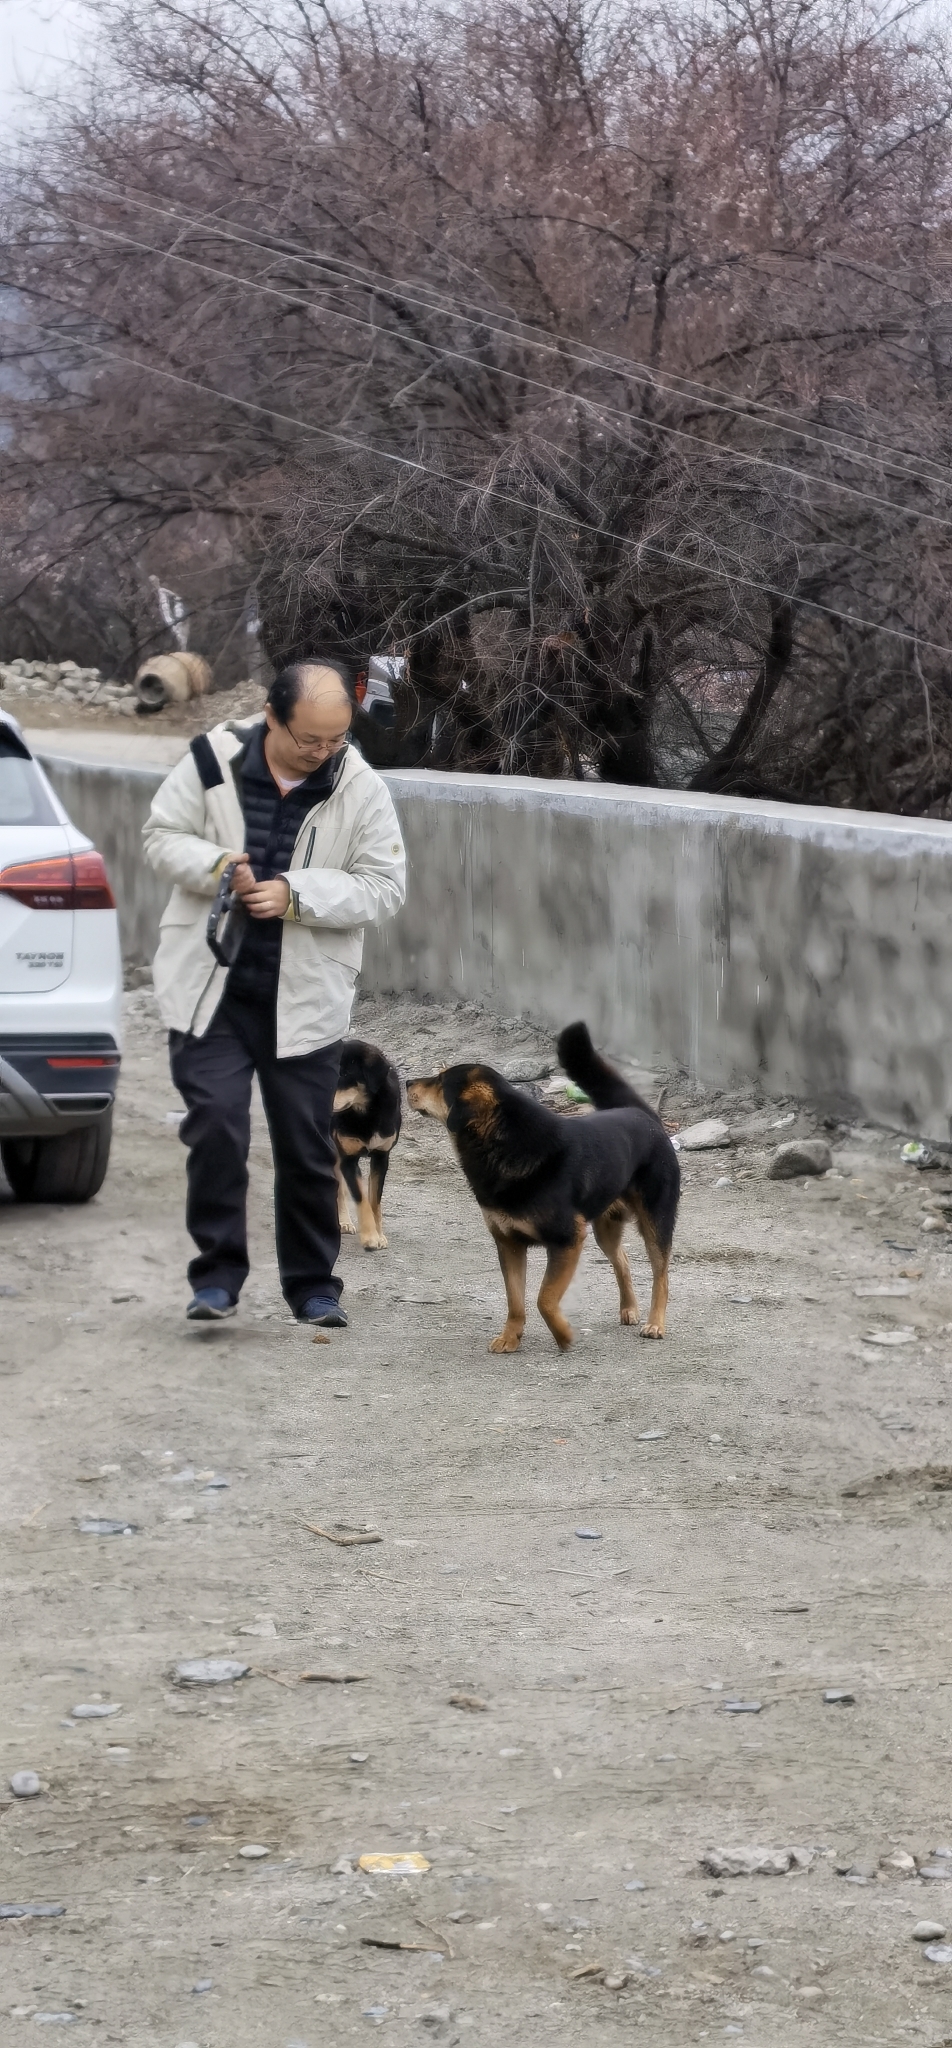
<point x="261" y="899"/>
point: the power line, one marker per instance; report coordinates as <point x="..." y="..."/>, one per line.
<point x="666" y="384"/>
<point x="423" y="469"/>
<point x="597" y="408"/>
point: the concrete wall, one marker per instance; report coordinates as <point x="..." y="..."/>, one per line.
<point x="805" y="949"/>
<point x="110" y="801"/>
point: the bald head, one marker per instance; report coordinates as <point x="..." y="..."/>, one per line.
<point x="319" y="678"/>
<point x="308" y="715"/>
<point x="319" y="683"/>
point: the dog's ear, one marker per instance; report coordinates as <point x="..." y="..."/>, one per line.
<point x="476" y="1105"/>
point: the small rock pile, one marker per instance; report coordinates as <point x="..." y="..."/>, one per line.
<point x="64" y="682"/>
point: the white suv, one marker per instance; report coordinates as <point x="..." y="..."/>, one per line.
<point x="60" y="990"/>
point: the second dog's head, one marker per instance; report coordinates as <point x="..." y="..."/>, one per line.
<point x="364" y="1073"/>
<point x="460" y="1097"/>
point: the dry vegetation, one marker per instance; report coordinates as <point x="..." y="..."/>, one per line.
<point x="598" y="356"/>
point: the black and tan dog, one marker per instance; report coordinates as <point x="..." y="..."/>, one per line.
<point x="542" y="1179"/>
<point x="367" y="1119"/>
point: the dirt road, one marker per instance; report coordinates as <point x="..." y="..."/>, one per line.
<point x="564" y="1824"/>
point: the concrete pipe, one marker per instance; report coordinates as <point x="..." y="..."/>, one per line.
<point x="172" y="679"/>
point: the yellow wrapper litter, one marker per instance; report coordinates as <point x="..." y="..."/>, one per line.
<point x="406" y="1864"/>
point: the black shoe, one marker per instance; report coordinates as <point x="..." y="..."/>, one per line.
<point x="325" y="1311"/>
<point x="211" y="1305"/>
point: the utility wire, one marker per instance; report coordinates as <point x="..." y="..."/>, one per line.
<point x="598" y="410"/>
<point x="526" y="334"/>
<point x="422" y="469"/>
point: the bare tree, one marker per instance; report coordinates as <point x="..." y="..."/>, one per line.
<point x="597" y="358"/>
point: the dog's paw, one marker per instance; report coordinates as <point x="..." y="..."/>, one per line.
<point x="348" y="1229"/>
<point x="629" y="1315"/>
<point x="507" y="1341"/>
<point x="376" y="1243"/>
<point x="653" y="1330"/>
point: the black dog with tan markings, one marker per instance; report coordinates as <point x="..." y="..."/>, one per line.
<point x="540" y="1178"/>
<point x="366" y="1119"/>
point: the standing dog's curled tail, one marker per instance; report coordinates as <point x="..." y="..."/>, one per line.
<point x="602" y="1082"/>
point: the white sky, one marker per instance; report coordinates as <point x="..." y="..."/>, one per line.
<point x="36" y="41"/>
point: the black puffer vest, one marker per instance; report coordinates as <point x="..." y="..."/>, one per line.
<point x="272" y="824"/>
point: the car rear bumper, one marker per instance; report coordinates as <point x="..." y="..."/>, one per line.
<point x="52" y="1082"/>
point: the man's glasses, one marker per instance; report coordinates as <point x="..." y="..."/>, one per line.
<point x="318" y="746"/>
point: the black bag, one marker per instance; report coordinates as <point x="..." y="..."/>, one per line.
<point x="227" y="920"/>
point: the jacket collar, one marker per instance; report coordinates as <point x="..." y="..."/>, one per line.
<point x="231" y="738"/>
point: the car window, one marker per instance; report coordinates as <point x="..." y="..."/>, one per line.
<point x="23" y="799"/>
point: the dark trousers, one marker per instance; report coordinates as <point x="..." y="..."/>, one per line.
<point x="213" y="1074"/>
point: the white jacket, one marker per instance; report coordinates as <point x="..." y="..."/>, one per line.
<point x="348" y="870"/>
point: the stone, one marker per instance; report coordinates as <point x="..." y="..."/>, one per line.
<point x="834" y="1698"/>
<point x="253" y="1851"/>
<point x="928" y="1930"/>
<point x="862" y="1871"/>
<point x="209" y="1671"/>
<point x="25" y="1785"/>
<point x="938" y="1952"/>
<point x="709" y="1136"/>
<point x="742" y="1707"/>
<point x="811" y="1993"/>
<point x="800" y="1156"/>
<point x="94" y="1525"/>
<point x="94" y="1710"/>
<point x="898" y="1863"/>
<point x="615" y="1980"/>
<point x="754" y="1862"/>
<point x="939" y="1871"/>
<point x="528" y="1070"/>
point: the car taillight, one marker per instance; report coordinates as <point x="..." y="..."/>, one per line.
<point x="91" y="883"/>
<point x="69" y="881"/>
<point x="360" y="687"/>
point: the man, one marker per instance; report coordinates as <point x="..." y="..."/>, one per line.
<point x="320" y="856"/>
